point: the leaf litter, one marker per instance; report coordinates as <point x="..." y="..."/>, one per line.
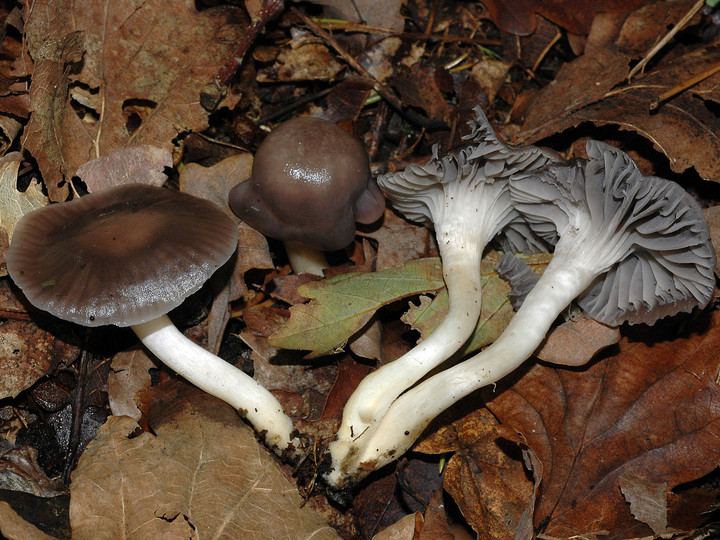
<point x="620" y="447"/>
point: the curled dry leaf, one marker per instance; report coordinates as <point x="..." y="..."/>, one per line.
<point x="201" y="475"/>
<point x="650" y="410"/>
<point x="684" y="128"/>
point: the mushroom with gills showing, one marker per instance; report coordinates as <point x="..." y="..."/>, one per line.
<point x="128" y="255"/>
<point x="465" y="197"/>
<point x="310" y="183"/>
<point x="629" y="248"/>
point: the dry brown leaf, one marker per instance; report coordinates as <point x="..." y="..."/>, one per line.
<point x="576" y="17"/>
<point x="14" y="203"/>
<point x="647" y="499"/>
<point x="400" y="242"/>
<point x="306" y="62"/>
<point x="684" y="128"/>
<point x="404" y="529"/>
<point x="574" y="343"/>
<point x="27" y="353"/>
<point x="201" y="475"/>
<point x="143" y="72"/>
<point x="130" y="373"/>
<point x="491" y="488"/>
<point x="13" y="527"/>
<point x="20" y="472"/>
<point x="649" y="410"/>
<point x="143" y="164"/>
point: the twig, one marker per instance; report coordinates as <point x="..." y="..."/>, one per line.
<point x="709" y="72"/>
<point x="350" y="27"/>
<point x="382" y="89"/>
<point x="675" y="29"/>
<point x="213" y="93"/>
<point x="78" y="412"/>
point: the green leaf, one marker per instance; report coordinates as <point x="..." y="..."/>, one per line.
<point x="496" y="309"/>
<point x="342" y="305"/>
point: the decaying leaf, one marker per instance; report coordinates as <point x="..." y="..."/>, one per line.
<point x="490" y="487"/>
<point x="143" y="72"/>
<point x="201" y="475"/>
<point x="684" y="128"/>
<point x="14" y="203"/>
<point x="27" y="353"/>
<point x="343" y="304"/>
<point x="576" y="17"/>
<point x="648" y="411"/>
<point x="647" y="499"/>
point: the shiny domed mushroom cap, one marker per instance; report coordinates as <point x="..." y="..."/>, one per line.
<point x="651" y="232"/>
<point x="310" y="183"/>
<point x="120" y="256"/>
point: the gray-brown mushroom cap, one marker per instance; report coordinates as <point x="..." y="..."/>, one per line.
<point x="648" y="231"/>
<point x="310" y="183"/>
<point x="420" y="192"/>
<point x="121" y="256"/>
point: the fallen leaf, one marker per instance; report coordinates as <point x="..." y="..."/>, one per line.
<point x="576" y="17"/>
<point x="28" y="352"/>
<point x="143" y="164"/>
<point x="404" y="529"/>
<point x="143" y="72"/>
<point x="575" y="342"/>
<point x="647" y="499"/>
<point x="342" y="305"/>
<point x="490" y="487"/>
<point x="496" y="310"/>
<point x="13" y="527"/>
<point x="201" y="474"/>
<point x="650" y="410"/>
<point x="400" y="241"/>
<point x="683" y="128"/>
<point x="130" y="373"/>
<point x="14" y="203"/>
<point x="19" y="471"/>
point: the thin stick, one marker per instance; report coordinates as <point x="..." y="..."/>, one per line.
<point x="709" y="72"/>
<point x="675" y="29"/>
<point x="382" y="89"/>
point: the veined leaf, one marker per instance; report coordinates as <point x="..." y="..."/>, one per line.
<point x="342" y="305"/>
<point x="496" y="309"/>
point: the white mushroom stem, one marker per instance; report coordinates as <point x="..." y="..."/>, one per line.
<point x="464" y="224"/>
<point x="305" y="259"/>
<point x="218" y="378"/>
<point x="568" y="274"/>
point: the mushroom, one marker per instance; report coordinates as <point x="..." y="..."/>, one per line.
<point x="310" y="183"/>
<point x="126" y="256"/>
<point x="629" y="248"/>
<point x="465" y="197"/>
